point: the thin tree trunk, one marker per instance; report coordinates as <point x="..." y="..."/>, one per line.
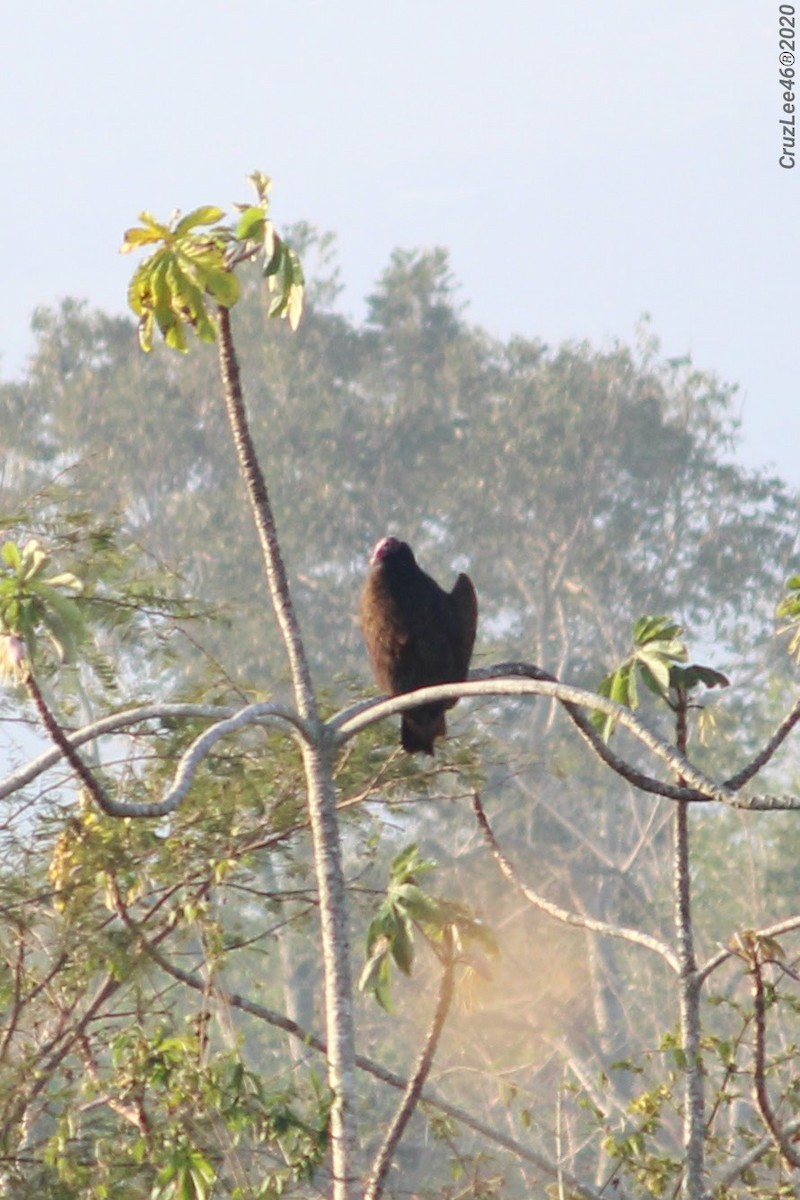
<point x="318" y="763"/>
<point x="689" y="999"/>
<point x="689" y="986"/>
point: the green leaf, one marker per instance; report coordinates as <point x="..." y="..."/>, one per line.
<point x="408" y="862"/>
<point x="375" y="976"/>
<point x="252" y="224"/>
<point x="655" y="663"/>
<point x="633" y="689"/>
<point x="602" y="722"/>
<point x="66" y="580"/>
<point x="139" y="287"/>
<point x="384" y="925"/>
<point x="133" y="238"/>
<point x="207" y="214"/>
<point x="619" y="686"/>
<point x="147" y="218"/>
<point x="284" y="276"/>
<point x="652" y="680"/>
<point x="11" y="554"/>
<point x="222" y="284"/>
<point x="34" y="562"/>
<point x="273" y="264"/>
<point x="410" y="899"/>
<point x="649" y="629"/>
<point x="160" y="300"/>
<point x="185" y="295"/>
<point x="402" y="947"/>
<point x="175" y="337"/>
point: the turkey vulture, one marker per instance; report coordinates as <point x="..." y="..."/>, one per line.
<point x="417" y="635"/>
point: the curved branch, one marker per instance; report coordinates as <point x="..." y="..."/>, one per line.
<point x="272" y="714"/>
<point x="192" y="757"/>
<point x="521" y="679"/>
<point x="188" y="764"/>
<point x="562" y="914"/>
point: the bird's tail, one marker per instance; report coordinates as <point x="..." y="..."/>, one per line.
<point x="419" y="728"/>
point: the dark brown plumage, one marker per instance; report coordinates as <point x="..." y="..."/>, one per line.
<point x="417" y="635"/>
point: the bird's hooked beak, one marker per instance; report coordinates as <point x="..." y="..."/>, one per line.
<point x="385" y="546"/>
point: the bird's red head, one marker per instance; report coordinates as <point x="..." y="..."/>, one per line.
<point x="383" y="549"/>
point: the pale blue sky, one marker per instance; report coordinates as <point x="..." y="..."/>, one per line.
<point x="583" y="162"/>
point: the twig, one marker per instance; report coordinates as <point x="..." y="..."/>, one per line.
<point x="759" y="1066"/>
<point x="737" y="1169"/>
<point x="413" y="1091"/>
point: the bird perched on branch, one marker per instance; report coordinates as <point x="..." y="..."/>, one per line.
<point x="417" y="635"/>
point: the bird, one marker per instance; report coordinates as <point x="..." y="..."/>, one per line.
<point x="417" y="635"/>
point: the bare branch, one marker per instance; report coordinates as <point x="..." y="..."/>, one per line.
<point x="187" y="766"/>
<point x="192" y="757"/>
<point x="273" y="714"/>
<point x="521" y="679"/>
<point x="562" y="914"/>
<point x="762" y="758"/>
<point x="524" y="679"/>
<point x="318" y="766"/>
<point x="694" y="1111"/>
<point x="87" y="778"/>
<point x="263" y="517"/>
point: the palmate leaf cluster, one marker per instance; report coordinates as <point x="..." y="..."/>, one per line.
<point x="406" y="907"/>
<point x="32" y="602"/>
<point x="172" y="287"/>
<point x="658" y="659"/>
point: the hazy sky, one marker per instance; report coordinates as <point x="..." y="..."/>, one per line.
<point x="583" y="162"/>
